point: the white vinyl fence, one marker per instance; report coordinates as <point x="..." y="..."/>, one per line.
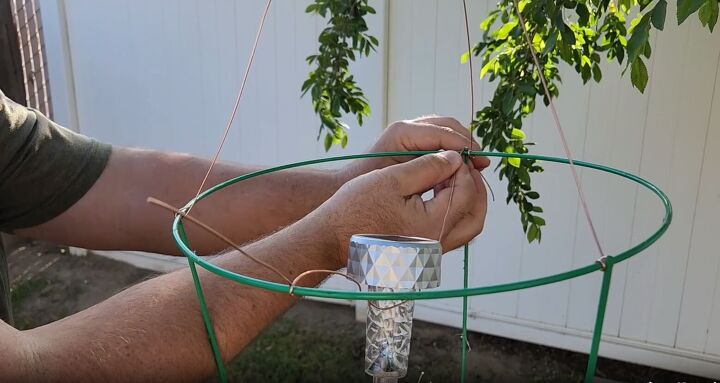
<point x="164" y="74"/>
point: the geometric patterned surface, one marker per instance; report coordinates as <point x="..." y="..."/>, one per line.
<point x="387" y="342"/>
<point x="395" y="262"/>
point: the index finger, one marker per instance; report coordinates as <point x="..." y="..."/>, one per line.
<point x="449" y="122"/>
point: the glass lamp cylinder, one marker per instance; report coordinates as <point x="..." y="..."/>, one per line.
<point x="388" y="333"/>
<point x="387" y="263"/>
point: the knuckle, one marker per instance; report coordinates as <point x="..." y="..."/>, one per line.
<point x="397" y="125"/>
<point x="348" y="187"/>
<point x="438" y="163"/>
<point x="379" y="179"/>
<point x="389" y="181"/>
<point x="426" y="117"/>
<point x="452" y="121"/>
<point x="447" y="129"/>
<point x="358" y="183"/>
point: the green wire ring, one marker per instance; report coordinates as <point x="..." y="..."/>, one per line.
<point x="178" y="233"/>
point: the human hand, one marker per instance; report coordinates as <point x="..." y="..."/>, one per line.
<point x="425" y="133"/>
<point x="388" y="201"/>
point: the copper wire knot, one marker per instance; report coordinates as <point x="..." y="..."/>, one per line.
<point x="603" y="262"/>
<point x="465" y="153"/>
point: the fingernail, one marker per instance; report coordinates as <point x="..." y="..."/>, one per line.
<point x="451" y="155"/>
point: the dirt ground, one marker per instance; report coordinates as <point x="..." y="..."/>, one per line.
<point x="313" y="342"/>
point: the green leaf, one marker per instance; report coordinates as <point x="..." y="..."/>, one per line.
<point x="485" y="25"/>
<point x="464" y="58"/>
<point x="685" y="8"/>
<point x="583" y="13"/>
<point x="709" y="14"/>
<point x="658" y="15"/>
<point x="508" y="102"/>
<point x="584" y="60"/>
<point x="505" y="30"/>
<point x="639" y="38"/>
<point x="597" y="74"/>
<point x="532" y="233"/>
<point x="328" y="141"/>
<point x="517" y="134"/>
<point x="532" y="195"/>
<point x="512" y="161"/>
<point x="538" y="221"/>
<point x="369" y="9"/>
<point x="522" y="4"/>
<point x="585" y="73"/>
<point x="487" y="67"/>
<point x="538" y="42"/>
<point x="639" y="75"/>
<point x="550" y="43"/>
<point x="644" y="4"/>
<point x="568" y="36"/>
<point x="523" y="175"/>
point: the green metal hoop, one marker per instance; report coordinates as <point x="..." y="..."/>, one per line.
<point x="180" y="238"/>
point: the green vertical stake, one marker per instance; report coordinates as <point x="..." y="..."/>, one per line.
<point x="463" y="346"/>
<point x="464" y="341"/>
<point x="597" y="333"/>
<point x="222" y="376"/>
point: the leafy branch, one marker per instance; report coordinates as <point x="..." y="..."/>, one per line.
<point x="331" y="85"/>
<point x="577" y="32"/>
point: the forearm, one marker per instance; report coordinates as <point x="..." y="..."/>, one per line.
<point x="114" y="213"/>
<point x="153" y="331"/>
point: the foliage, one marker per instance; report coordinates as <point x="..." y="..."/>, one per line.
<point x="331" y="85"/>
<point x="576" y="32"/>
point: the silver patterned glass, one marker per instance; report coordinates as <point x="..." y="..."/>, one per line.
<point x="388" y="263"/>
<point x="388" y="332"/>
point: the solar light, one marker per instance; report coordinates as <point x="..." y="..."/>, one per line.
<point x="391" y="263"/>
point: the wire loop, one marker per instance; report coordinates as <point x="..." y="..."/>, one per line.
<point x="184" y="245"/>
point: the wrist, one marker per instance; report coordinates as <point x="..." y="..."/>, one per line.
<point x="319" y="229"/>
<point x="338" y="177"/>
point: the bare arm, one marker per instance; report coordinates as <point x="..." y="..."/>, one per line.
<point x="114" y="214"/>
<point x="153" y="331"/>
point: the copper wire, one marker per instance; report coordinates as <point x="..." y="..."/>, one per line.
<point x="346" y="276"/>
<point x="232" y="244"/>
<point x="237" y="103"/>
<point x="184" y="212"/>
<point x="216" y="233"/>
<point x="467" y="150"/>
<point x="302" y="275"/>
<point x="560" y="130"/>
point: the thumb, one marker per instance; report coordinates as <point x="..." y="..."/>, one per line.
<point x="423" y="173"/>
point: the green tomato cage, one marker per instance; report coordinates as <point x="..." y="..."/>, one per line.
<point x="605" y="266"/>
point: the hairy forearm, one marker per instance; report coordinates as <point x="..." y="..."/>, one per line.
<point x="114" y="213"/>
<point x="153" y="331"/>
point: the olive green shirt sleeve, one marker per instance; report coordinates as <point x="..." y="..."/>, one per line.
<point x="44" y="168"/>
